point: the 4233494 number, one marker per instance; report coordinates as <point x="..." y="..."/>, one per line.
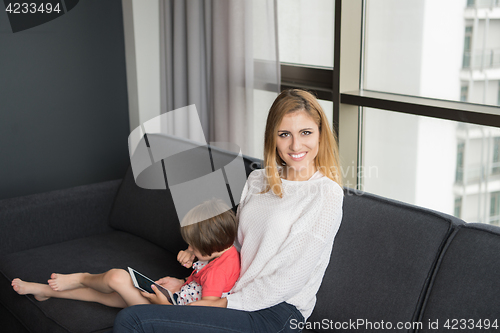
<point x="32" y="8"/>
<point x="462" y="324"/>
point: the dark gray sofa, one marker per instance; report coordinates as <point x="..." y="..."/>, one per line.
<point x="391" y="262"/>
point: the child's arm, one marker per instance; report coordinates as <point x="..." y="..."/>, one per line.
<point x="186" y="258"/>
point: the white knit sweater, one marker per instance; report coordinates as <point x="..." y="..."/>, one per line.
<point x="285" y="243"/>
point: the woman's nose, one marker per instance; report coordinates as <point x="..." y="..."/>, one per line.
<point x="296" y="144"/>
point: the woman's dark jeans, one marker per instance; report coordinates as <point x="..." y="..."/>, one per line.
<point x="169" y="318"/>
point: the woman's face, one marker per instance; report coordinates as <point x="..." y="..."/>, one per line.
<point x="298" y="142"/>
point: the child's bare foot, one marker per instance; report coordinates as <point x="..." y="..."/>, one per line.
<point x="61" y="282"/>
<point x="35" y="289"/>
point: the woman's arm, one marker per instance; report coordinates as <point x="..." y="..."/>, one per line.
<point x="159" y="298"/>
<point x="211" y="301"/>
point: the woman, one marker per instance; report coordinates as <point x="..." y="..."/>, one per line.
<point x="289" y="214"/>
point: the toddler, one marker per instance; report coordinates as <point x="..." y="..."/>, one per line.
<point x="210" y="240"/>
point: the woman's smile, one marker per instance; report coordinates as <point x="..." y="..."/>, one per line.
<point x="298" y="157"/>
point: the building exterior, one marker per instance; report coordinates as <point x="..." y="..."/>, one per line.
<point x="477" y="176"/>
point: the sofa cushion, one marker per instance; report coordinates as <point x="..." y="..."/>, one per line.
<point x="94" y="254"/>
<point x="381" y="262"/>
<point x="465" y="285"/>
<point x="149" y="214"/>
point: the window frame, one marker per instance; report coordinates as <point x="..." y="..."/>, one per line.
<point x="343" y="85"/>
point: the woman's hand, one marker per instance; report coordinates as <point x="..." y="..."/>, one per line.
<point x="157" y="297"/>
<point x="186" y="258"/>
<point x="171" y="283"/>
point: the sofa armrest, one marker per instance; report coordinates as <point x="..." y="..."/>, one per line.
<point x="52" y="217"/>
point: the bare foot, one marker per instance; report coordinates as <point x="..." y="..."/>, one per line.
<point x="31" y="288"/>
<point x="61" y="282"/>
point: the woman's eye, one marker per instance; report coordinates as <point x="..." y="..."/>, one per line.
<point x="283" y="135"/>
<point x="306" y="132"/>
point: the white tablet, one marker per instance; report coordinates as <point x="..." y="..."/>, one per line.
<point x="144" y="283"/>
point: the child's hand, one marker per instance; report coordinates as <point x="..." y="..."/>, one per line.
<point x="157" y="297"/>
<point x="186" y="257"/>
<point x="171" y="283"/>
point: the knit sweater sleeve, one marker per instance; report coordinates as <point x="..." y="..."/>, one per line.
<point x="299" y="258"/>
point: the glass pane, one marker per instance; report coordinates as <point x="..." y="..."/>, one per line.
<point x="262" y="101"/>
<point x="446" y="49"/>
<point x="328" y="109"/>
<point x="305" y="30"/>
<point x="443" y="165"/>
<point x="483" y="3"/>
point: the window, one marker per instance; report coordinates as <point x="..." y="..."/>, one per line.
<point x="459" y="173"/>
<point x="458" y="207"/>
<point x="429" y="162"/>
<point x="405" y="158"/>
<point x="495" y="170"/>
<point x="412" y="101"/>
<point x="306" y="32"/>
<point x="464" y="92"/>
<point x="410" y="50"/>
<point x="467" y="47"/>
<point x="498" y="95"/>
<point x="483" y="3"/>
<point x="495" y="208"/>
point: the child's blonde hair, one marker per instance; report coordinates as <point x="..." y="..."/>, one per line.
<point x="210" y="235"/>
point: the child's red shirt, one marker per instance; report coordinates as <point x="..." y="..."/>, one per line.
<point x="219" y="275"/>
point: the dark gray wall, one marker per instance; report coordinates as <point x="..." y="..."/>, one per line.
<point x="63" y="101"/>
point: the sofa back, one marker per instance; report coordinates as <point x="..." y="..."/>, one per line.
<point x="465" y="289"/>
<point x="382" y="260"/>
<point x="151" y="214"/>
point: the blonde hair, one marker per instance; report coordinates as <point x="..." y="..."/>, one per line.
<point x="327" y="159"/>
<point x="209" y="235"/>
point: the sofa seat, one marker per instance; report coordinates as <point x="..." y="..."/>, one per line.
<point x="93" y="254"/>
